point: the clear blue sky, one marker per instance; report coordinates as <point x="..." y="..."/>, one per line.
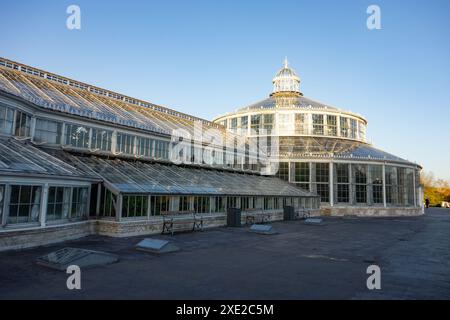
<point x="209" y="57"/>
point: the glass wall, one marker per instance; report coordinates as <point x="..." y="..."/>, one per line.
<point x="302" y="175"/>
<point x="24" y="204"/>
<point x="219" y="204"/>
<point x="283" y="171"/>
<point x="6" y="119"/>
<point x="360" y="183"/>
<point x="125" y="143"/>
<point x="47" y="131"/>
<point x="161" y="149"/>
<point x="144" y="146"/>
<point x="322" y="178"/>
<point x="331" y="125"/>
<point x="79" y="202"/>
<point x="58" y="204"/>
<point x="301" y="123"/>
<point x="344" y="127"/>
<point x="108" y="202"/>
<point x="318" y="124"/>
<point x="244" y="125"/>
<point x="101" y="139"/>
<point x="184" y="204"/>
<point x="159" y="204"/>
<point x="202" y="204"/>
<point x="23" y="124"/>
<point x="134" y="206"/>
<point x="376" y="183"/>
<point x="342" y="183"/>
<point x="255" y="123"/>
<point x="77" y="136"/>
<point x="268" y="123"/>
<point x="353" y="128"/>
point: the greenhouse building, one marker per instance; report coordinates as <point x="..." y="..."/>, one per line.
<point x="323" y="149"/>
<point x="76" y="160"/>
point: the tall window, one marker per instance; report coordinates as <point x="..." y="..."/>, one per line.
<point x="108" y="203"/>
<point x="344" y="127"/>
<point x="219" y="204"/>
<point x="134" y="206"/>
<point x="353" y="128"/>
<point x="283" y="171"/>
<point x="245" y="203"/>
<point x="268" y="203"/>
<point x="232" y="202"/>
<point x="144" y="146"/>
<point x="410" y="186"/>
<point x="376" y="174"/>
<point x="184" y="203"/>
<point x="244" y="125"/>
<point x="201" y="204"/>
<point x="302" y="174"/>
<point x="391" y="185"/>
<point x="401" y="185"/>
<point x="322" y="181"/>
<point x="342" y="183"/>
<point x="268" y="123"/>
<point x="360" y="177"/>
<point x="6" y="119"/>
<point x="317" y="124"/>
<point x="79" y="202"/>
<point x="301" y="123"/>
<point x="77" y="136"/>
<point x="161" y="149"/>
<point x="23" y="124"/>
<point x="101" y="139"/>
<point x="47" y="131"/>
<point x="25" y="204"/>
<point x="362" y="131"/>
<point x="233" y="124"/>
<point x="331" y="125"/>
<point x="125" y="143"/>
<point x="255" y="123"/>
<point x="159" y="204"/>
<point x="58" y="205"/>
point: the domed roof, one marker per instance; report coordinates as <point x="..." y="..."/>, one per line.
<point x="290" y="102"/>
<point x="286" y="72"/>
<point x="286" y="80"/>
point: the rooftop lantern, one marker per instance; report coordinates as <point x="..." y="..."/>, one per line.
<point x="286" y="81"/>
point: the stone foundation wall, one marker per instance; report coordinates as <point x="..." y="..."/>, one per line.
<point x="153" y="226"/>
<point x="371" y="211"/>
<point x="37" y="236"/>
<point x="15" y="239"/>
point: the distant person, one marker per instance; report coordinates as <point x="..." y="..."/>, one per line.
<point x="427" y="203"/>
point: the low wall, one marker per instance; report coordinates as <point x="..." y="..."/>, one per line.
<point x="154" y="226"/>
<point x="371" y="211"/>
<point x="15" y="239"/>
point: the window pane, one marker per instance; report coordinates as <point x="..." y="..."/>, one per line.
<point x="6" y="119"/>
<point x="47" y="131"/>
<point x="77" y="136"/>
<point x="24" y="204"/>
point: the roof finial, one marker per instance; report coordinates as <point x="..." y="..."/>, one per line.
<point x="286" y="62"/>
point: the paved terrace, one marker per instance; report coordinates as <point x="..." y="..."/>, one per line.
<point x="302" y="262"/>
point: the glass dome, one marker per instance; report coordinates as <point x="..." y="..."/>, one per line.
<point x="286" y="80"/>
